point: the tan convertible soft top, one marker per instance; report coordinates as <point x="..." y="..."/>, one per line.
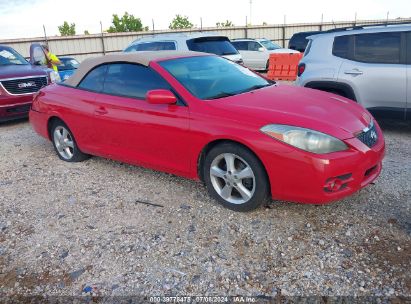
<point x="143" y="58"/>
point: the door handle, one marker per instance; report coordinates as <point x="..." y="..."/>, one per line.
<point x="101" y="111"/>
<point x="353" y="72"/>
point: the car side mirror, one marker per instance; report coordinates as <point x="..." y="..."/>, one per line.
<point x="38" y="62"/>
<point x="261" y="49"/>
<point x="161" y="97"/>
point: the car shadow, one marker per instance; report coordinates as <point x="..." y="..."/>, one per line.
<point x="12" y="123"/>
<point x="393" y="125"/>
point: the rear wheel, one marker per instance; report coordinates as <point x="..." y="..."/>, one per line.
<point x="235" y="177"/>
<point x="64" y="143"/>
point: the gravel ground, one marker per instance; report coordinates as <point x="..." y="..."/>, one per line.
<point x="66" y="229"/>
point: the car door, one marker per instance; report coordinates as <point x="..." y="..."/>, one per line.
<point x="242" y="47"/>
<point x="38" y="55"/>
<point x="375" y="69"/>
<point x="257" y="55"/>
<point x="130" y="129"/>
<point x="80" y="110"/>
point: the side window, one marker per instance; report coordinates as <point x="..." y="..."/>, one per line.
<point x="240" y="45"/>
<point x="253" y="46"/>
<point x="167" y="46"/>
<point x="308" y="48"/>
<point x="377" y="48"/>
<point x="156" y="46"/>
<point x="132" y="80"/>
<point x="131" y="48"/>
<point x="94" y="80"/>
<point x="340" y="46"/>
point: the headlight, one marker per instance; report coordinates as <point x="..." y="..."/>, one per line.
<point x="305" y="139"/>
<point x="54" y="77"/>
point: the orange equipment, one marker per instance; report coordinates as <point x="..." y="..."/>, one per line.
<point x="283" y="66"/>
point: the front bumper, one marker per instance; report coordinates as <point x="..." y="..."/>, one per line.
<point x="303" y="177"/>
<point x="14" y="106"/>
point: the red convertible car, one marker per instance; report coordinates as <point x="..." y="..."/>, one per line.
<point x="204" y="117"/>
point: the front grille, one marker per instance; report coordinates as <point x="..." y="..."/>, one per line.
<point x="369" y="137"/>
<point x="20" y="86"/>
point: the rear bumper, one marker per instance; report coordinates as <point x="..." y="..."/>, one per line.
<point x="14" y="107"/>
<point x="308" y="178"/>
<point x="38" y="122"/>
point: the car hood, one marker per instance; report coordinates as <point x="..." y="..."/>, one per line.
<point x="233" y="57"/>
<point x="302" y="107"/>
<point x="19" y="71"/>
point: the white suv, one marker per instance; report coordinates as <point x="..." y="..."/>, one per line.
<point x="256" y="52"/>
<point x="199" y="42"/>
<point x="368" y="64"/>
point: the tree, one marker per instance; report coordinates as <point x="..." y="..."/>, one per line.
<point x="67" y="30"/>
<point x="86" y="32"/>
<point x="180" y="22"/>
<point x="127" y="23"/>
<point x="226" y="23"/>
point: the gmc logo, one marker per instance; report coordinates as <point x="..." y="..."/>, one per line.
<point x="26" y="84"/>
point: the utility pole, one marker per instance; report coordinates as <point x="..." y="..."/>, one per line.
<point x="45" y="35"/>
<point x="246" y="26"/>
<point x="152" y="20"/>
<point x="251" y="4"/>
<point x="102" y="38"/>
<point x="322" y="21"/>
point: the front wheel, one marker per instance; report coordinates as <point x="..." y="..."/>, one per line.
<point x="235" y="177"/>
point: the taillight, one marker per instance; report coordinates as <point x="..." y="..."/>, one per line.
<point x="301" y="69"/>
<point x="35" y="105"/>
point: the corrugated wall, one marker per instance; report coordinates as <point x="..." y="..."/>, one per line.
<point x="83" y="46"/>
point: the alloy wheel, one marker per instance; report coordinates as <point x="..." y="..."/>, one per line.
<point x="64" y="142"/>
<point x="232" y="178"/>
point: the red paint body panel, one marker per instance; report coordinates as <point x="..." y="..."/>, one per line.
<point x="171" y="137"/>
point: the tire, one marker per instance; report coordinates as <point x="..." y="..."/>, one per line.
<point x="227" y="186"/>
<point x="64" y="143"/>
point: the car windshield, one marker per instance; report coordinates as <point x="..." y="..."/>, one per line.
<point x="8" y="56"/>
<point x="269" y="45"/>
<point x="68" y="64"/>
<point x="212" y="77"/>
<point x="215" y="45"/>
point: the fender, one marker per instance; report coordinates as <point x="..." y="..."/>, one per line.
<point x="332" y="85"/>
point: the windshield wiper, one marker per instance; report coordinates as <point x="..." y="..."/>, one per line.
<point x="221" y="95"/>
<point x="255" y="87"/>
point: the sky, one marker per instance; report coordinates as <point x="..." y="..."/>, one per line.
<point x="25" y="18"/>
